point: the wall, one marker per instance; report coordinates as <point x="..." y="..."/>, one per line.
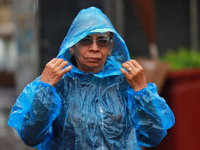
<point x="172" y="25"/>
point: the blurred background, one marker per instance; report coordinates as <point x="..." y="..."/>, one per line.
<point x="162" y="35"/>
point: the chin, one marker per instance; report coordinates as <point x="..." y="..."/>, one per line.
<point x="94" y="69"/>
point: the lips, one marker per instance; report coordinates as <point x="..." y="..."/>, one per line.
<point x="93" y="59"/>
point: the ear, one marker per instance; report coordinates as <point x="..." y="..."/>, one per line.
<point x="71" y="49"/>
<point x="110" y="49"/>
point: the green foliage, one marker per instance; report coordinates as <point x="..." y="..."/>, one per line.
<point x="182" y="59"/>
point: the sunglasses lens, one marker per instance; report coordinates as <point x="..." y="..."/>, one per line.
<point x="103" y="42"/>
<point x="86" y="41"/>
<point x="100" y="42"/>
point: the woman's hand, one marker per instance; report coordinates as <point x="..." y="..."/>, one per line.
<point x="135" y="75"/>
<point x="54" y="71"/>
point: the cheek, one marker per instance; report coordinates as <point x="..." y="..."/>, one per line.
<point x="106" y="54"/>
<point x="80" y="55"/>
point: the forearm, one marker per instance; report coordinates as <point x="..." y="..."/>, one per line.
<point x="150" y="114"/>
<point x="35" y="110"/>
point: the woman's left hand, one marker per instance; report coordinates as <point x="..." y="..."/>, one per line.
<point x="135" y="75"/>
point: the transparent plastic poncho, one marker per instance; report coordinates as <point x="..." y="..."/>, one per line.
<point x="86" y="111"/>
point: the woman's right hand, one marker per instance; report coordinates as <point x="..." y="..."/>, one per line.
<point x="54" y="71"/>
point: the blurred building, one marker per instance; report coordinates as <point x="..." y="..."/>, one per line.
<point x="19" y="58"/>
<point x="8" y="50"/>
<point x="18" y="61"/>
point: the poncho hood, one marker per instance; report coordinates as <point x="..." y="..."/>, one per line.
<point x="92" y="20"/>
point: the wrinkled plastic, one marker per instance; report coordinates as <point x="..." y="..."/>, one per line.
<point x="86" y="111"/>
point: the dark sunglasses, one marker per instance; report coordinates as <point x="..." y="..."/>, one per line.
<point x="100" y="42"/>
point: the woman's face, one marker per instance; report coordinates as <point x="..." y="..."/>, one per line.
<point x="92" y="57"/>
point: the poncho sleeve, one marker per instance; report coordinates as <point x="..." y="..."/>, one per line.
<point x="34" y="112"/>
<point x="150" y="115"/>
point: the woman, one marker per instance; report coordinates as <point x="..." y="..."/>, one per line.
<point x="92" y="96"/>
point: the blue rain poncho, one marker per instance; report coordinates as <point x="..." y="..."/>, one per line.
<point x="87" y="111"/>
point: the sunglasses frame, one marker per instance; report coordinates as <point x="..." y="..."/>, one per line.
<point x="92" y="41"/>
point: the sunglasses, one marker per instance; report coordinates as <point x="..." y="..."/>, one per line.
<point x="100" y="42"/>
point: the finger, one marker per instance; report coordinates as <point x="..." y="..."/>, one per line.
<point x="67" y="69"/>
<point x="126" y="66"/>
<point x="59" y="75"/>
<point x="124" y="72"/>
<point x="52" y="61"/>
<point x="135" y="66"/>
<point x="132" y="66"/>
<point x="138" y="68"/>
<point x="135" y="63"/>
<point x="129" y="67"/>
<point x="63" y="64"/>
<point x="58" y="62"/>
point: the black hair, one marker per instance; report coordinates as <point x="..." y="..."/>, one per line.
<point x="73" y="61"/>
<point x="111" y="35"/>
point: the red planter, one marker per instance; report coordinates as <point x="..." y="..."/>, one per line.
<point x="182" y="93"/>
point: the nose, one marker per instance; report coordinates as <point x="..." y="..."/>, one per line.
<point x="94" y="47"/>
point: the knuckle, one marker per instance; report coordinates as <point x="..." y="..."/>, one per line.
<point x="141" y="70"/>
<point x="52" y="67"/>
<point x="54" y="72"/>
<point x="48" y="65"/>
<point x="129" y="78"/>
<point x="53" y="60"/>
<point x="57" y="70"/>
<point x="56" y="75"/>
<point x="129" y="62"/>
<point x="60" y="74"/>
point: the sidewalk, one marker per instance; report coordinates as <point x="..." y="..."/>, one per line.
<point x="9" y="140"/>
